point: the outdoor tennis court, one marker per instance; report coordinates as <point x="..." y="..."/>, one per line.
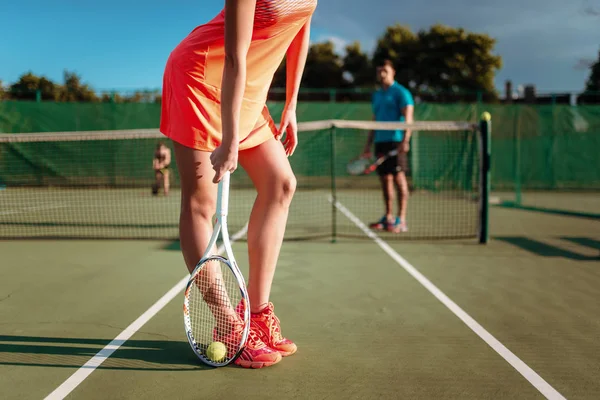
<point x="484" y="285"/>
<point x="366" y="323"/>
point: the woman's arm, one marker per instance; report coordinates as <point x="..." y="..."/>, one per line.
<point x="239" y="23"/>
<point x="296" y="60"/>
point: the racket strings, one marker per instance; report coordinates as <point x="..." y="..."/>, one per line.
<point x="358" y="166"/>
<point x="213" y="299"/>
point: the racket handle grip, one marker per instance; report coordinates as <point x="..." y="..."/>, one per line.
<point x="223" y="195"/>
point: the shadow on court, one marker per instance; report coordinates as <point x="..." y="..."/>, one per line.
<point x="548" y="210"/>
<point x="173" y="245"/>
<point x="546" y="250"/>
<point x="135" y="355"/>
<point x="584" y="241"/>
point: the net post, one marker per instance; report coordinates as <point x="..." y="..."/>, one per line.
<point x="517" y="150"/>
<point x="485" y="131"/>
<point x="333" y="185"/>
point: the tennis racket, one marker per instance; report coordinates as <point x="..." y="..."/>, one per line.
<point x="216" y="309"/>
<point x="364" y="166"/>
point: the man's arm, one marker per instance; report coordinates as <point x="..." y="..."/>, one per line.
<point x="407" y="107"/>
<point x="408" y="118"/>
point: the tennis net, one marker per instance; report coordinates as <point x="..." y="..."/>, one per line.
<point x="97" y="184"/>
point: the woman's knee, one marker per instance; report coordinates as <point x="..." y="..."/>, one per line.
<point x="288" y="185"/>
<point x="198" y="193"/>
<point x="199" y="206"/>
<point x="282" y="189"/>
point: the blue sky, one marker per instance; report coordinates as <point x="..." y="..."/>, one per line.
<point x="123" y="44"/>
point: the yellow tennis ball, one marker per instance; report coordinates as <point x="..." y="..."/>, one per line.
<point x="486" y="116"/>
<point x="216" y="351"/>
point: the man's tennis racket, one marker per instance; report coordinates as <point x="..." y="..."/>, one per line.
<point x="216" y="310"/>
<point x="364" y="166"/>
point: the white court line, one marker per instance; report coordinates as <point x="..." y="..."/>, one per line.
<point x="83" y="372"/>
<point x="537" y="381"/>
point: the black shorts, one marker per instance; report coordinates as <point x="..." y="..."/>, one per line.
<point x="392" y="165"/>
<point x="163" y="170"/>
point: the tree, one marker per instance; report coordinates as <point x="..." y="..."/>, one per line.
<point x="461" y="61"/>
<point x="399" y="44"/>
<point x="139" y="96"/>
<point x="75" y="90"/>
<point x="28" y="85"/>
<point x="593" y="82"/>
<point x="358" y="65"/>
<point x="323" y="67"/>
<point x="441" y="59"/>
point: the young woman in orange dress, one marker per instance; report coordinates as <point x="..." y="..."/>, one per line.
<point x="215" y="89"/>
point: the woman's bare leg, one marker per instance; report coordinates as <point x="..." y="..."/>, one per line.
<point x="270" y="171"/>
<point x="198" y="206"/>
<point x="198" y="202"/>
<point x="166" y="182"/>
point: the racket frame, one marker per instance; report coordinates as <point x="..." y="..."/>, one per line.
<point x="373" y="166"/>
<point x="229" y="260"/>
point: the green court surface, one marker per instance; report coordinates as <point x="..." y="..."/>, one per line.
<point x="366" y="328"/>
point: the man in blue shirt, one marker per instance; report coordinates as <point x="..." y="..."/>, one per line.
<point x="392" y="102"/>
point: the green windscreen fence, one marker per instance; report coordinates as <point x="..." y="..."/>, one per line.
<point x="536" y="147"/>
<point x="546" y="147"/>
<point x="542" y="147"/>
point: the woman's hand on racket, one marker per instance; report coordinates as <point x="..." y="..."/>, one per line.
<point x="224" y="158"/>
<point x="289" y="126"/>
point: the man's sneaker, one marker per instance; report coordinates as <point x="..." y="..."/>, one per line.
<point x="398" y="226"/>
<point x="380" y="225"/>
<point x="270" y="331"/>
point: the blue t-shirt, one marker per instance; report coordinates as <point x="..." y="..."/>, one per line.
<point x="387" y="106"/>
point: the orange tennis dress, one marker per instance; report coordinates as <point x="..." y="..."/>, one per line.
<point x="191" y="109"/>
